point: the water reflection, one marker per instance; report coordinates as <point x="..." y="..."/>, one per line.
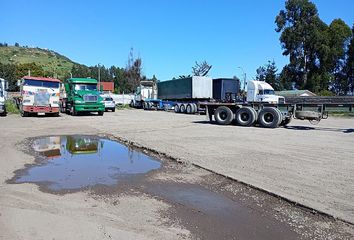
<point x="74" y="162"/>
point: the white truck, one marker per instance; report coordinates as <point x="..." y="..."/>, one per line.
<point x="147" y="90"/>
<point x="3" y="96"/>
<point x="260" y="91"/>
<point x="39" y="95"/>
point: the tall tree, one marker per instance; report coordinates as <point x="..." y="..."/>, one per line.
<point x="7" y="71"/>
<point x="268" y="73"/>
<point x="348" y="69"/>
<point x="316" y="50"/>
<point x="300" y="28"/>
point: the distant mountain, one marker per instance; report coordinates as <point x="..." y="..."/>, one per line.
<point x="51" y="62"/>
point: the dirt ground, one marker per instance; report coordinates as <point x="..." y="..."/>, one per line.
<point x="309" y="165"/>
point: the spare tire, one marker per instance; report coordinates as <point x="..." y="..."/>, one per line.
<point x="245" y="116"/>
<point x="269" y="117"/>
<point x="223" y="115"/>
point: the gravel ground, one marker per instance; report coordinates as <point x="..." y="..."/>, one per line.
<point x="309" y="165"/>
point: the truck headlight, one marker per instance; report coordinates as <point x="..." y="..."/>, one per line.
<point x="55" y="102"/>
<point x="26" y="101"/>
<point x="78" y="101"/>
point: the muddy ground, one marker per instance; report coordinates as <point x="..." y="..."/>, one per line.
<point x="309" y="165"/>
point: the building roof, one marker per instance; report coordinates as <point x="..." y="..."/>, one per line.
<point x="295" y="93"/>
<point x="82" y="80"/>
<point x="107" y="86"/>
<point x="41" y="79"/>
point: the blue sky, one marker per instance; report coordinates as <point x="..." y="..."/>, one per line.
<point x="169" y="35"/>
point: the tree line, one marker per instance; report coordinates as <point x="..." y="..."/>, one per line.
<point x="321" y="56"/>
<point x="125" y="79"/>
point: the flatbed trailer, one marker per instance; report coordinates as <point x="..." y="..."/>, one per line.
<point x="268" y="115"/>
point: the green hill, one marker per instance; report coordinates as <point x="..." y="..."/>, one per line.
<point x="52" y="63"/>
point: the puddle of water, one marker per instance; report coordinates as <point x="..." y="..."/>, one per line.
<point x="219" y="217"/>
<point x="75" y="162"/>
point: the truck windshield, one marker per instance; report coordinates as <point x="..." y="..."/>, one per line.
<point x="85" y="86"/>
<point x="36" y="83"/>
<point x="268" y="92"/>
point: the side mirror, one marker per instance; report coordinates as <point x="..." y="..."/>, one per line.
<point x="18" y="83"/>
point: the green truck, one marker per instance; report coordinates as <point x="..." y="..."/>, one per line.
<point x="79" y="95"/>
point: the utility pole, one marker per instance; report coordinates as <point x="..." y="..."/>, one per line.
<point x="99" y="77"/>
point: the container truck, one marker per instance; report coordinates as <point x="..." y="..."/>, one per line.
<point x="190" y="95"/>
<point x="79" y="95"/>
<point x="39" y="95"/>
<point x="3" y="96"/>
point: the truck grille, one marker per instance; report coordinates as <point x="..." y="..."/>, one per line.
<point x="90" y="98"/>
<point x="41" y="99"/>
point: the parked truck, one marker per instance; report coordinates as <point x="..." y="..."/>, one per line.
<point x="3" y="96"/>
<point x="79" y="95"/>
<point x="39" y="95"/>
<point x="190" y="95"/>
<point x="147" y="90"/>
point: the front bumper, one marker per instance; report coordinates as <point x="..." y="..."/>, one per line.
<point x="89" y="107"/>
<point x="40" y="109"/>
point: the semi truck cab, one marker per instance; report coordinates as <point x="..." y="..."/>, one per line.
<point x="39" y="95"/>
<point x="260" y="91"/>
<point x="81" y="95"/>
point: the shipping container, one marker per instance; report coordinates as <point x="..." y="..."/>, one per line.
<point x="225" y="89"/>
<point x="186" y="88"/>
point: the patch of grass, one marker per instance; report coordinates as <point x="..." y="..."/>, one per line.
<point x="123" y="106"/>
<point x="341" y="114"/>
<point x="11" y="106"/>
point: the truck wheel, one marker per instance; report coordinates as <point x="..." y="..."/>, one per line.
<point x="100" y="113"/>
<point x="131" y="104"/>
<point x="195" y="108"/>
<point x="269" y="117"/>
<point x="182" y="108"/>
<point x="176" y="107"/>
<point x="223" y="115"/>
<point x="73" y="111"/>
<point x="150" y="105"/>
<point x="280" y="116"/>
<point x="145" y="105"/>
<point x="189" y="109"/>
<point x="113" y="109"/>
<point x="24" y="114"/>
<point x="245" y="116"/>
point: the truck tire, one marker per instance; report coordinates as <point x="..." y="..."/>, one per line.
<point x="145" y="106"/>
<point x="73" y="111"/>
<point x="176" y="107"/>
<point x="131" y="104"/>
<point x="280" y="116"/>
<point x="223" y="115"/>
<point x="246" y="116"/>
<point x="182" y="108"/>
<point x="189" y="108"/>
<point x="100" y="113"/>
<point x="195" y="107"/>
<point x="269" y="117"/>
